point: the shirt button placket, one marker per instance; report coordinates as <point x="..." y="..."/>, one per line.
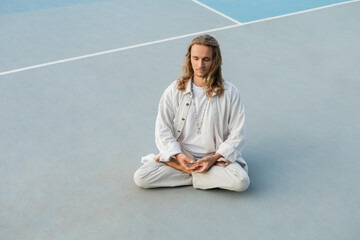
<point x="183" y="118"/>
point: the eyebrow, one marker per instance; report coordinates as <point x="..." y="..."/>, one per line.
<point x="200" y="57"/>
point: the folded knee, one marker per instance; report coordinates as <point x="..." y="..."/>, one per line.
<point x="241" y="183"/>
<point x="140" y="180"/>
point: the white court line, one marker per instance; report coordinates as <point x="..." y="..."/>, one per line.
<point x="166" y="40"/>
<point x="116" y="50"/>
<point x="215" y="11"/>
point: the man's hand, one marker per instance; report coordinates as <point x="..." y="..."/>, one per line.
<point x="207" y="162"/>
<point x="181" y="163"/>
<point x="203" y="164"/>
<point x="184" y="161"/>
<point x="185" y="164"/>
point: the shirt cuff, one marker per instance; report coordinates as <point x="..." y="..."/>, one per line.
<point x="166" y="155"/>
<point x="228" y="152"/>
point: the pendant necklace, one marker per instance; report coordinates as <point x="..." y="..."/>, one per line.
<point x="198" y="126"/>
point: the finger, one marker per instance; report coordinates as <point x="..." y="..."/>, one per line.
<point x="186" y="165"/>
<point x="221" y="164"/>
<point x="205" y="160"/>
<point x="200" y="169"/>
<point x="194" y="166"/>
<point x="188" y="160"/>
<point x="191" y="165"/>
<point x="195" y="170"/>
<point x="202" y="160"/>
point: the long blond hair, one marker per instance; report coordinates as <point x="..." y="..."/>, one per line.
<point x="214" y="80"/>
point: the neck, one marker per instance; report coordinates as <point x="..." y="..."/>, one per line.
<point x="200" y="82"/>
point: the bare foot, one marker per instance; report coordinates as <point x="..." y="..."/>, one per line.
<point x="175" y="164"/>
<point x="157" y="158"/>
<point x="221" y="164"/>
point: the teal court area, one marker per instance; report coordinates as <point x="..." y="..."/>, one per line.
<point x="80" y="83"/>
<point x="247" y="11"/>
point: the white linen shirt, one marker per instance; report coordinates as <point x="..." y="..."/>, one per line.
<point x="203" y="144"/>
<point x="229" y="118"/>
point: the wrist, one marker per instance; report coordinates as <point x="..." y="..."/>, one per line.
<point x="217" y="156"/>
<point x="176" y="155"/>
<point x="213" y="159"/>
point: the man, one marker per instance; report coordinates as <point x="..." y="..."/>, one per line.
<point x="200" y="128"/>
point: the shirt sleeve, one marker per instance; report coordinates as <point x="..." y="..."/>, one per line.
<point x="231" y="148"/>
<point x="164" y="129"/>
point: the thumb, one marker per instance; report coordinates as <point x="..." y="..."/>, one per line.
<point x="189" y="160"/>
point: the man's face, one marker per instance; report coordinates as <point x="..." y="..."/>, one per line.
<point x="201" y="60"/>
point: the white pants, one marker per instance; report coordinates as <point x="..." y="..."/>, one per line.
<point x="157" y="174"/>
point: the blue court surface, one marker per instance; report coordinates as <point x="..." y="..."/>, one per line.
<point x="80" y="82"/>
<point x="246" y="11"/>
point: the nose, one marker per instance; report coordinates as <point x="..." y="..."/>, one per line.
<point x="201" y="63"/>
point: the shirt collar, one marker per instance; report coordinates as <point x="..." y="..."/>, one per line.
<point x="188" y="88"/>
